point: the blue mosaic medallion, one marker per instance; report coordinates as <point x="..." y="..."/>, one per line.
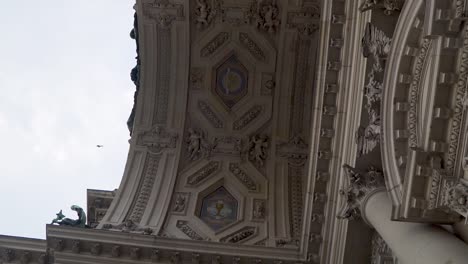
<point x="219" y="209"/>
<point x="231" y="81"/>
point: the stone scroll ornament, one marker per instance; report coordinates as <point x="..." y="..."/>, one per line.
<point x="62" y="220"/>
<point x="360" y="186"/>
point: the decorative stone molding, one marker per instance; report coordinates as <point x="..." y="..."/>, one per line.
<point x="455" y="197"/>
<point x="186" y="229"/>
<point x="241" y="235"/>
<point x="128" y="226"/>
<point x="144" y="188"/>
<point x="203" y="173"/>
<point x="197" y="75"/>
<point x="228" y="145"/>
<point x="360" y="186"/>
<point x="414" y="91"/>
<point x="164" y="12"/>
<point x="209" y="114"/>
<point x="264" y="14"/>
<point x="381" y="252"/>
<point x="214" y="44"/>
<point x="157" y="139"/>
<point x="295" y="150"/>
<point x="305" y="21"/>
<point x="389" y="6"/>
<point x="251" y="46"/>
<point x="247" y="117"/>
<point x="242" y="176"/>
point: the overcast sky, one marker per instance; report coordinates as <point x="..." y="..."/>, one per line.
<point x="64" y="88"/>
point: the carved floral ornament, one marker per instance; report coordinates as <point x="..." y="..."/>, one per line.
<point x="360" y="186"/>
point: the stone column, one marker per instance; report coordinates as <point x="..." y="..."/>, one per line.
<point x="414" y="243"/>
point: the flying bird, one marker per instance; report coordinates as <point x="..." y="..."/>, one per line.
<point x="100" y="146"/>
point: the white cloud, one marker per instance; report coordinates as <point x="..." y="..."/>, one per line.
<point x="64" y="78"/>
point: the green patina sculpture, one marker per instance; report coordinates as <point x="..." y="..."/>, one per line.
<point x="80" y="222"/>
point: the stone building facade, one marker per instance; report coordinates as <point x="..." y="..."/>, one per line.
<point x="286" y="131"/>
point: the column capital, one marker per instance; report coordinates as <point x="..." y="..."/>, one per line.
<point x="361" y="186"/>
<point x="455" y="197"/>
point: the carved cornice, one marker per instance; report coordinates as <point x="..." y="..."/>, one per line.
<point x="120" y="246"/>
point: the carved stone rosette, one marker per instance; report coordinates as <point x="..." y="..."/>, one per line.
<point x="361" y="185"/>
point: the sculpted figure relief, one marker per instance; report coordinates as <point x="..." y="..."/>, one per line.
<point x="265" y="15"/>
<point x="376" y="44"/>
<point x="205" y="13"/>
<point x="369" y="137"/>
<point x="257" y="149"/>
<point x="197" y="145"/>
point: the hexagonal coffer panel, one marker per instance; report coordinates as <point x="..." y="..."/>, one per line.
<point x="219" y="209"/>
<point x="230" y="82"/>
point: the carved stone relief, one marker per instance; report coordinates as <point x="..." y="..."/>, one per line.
<point x="381" y="252"/>
<point x="247" y="117"/>
<point x="259" y="209"/>
<point x="305" y="21"/>
<point x="369" y="137"/>
<point x="209" y="114"/>
<point x="204" y="173"/>
<point x="360" y="184"/>
<point x="157" y="139"/>
<point x="388" y="6"/>
<point x="186" y="229"/>
<point x="257" y="149"/>
<point x="214" y="44"/>
<point x="295" y="150"/>
<point x="242" y="176"/>
<point x="241" y="235"/>
<point x="375" y="43"/>
<point x="128" y="226"/>
<point x="251" y="46"/>
<point x="180" y="202"/>
<point x="414" y="92"/>
<point x="196" y="78"/>
<point x="206" y="11"/>
<point x="144" y="188"/>
<point x="264" y="14"/>
<point x="197" y="145"/>
<point x="164" y="12"/>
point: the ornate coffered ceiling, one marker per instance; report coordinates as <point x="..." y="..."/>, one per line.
<point x="240" y="124"/>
